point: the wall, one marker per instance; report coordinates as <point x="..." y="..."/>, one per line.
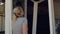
<point x="2" y="23"/>
<point x="2" y="19"/>
<point x="57" y="9"/>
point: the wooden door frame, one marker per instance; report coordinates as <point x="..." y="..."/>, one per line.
<point x="51" y="17"/>
<point x="8" y="20"/>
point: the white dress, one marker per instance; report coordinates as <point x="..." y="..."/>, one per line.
<point x="17" y="26"/>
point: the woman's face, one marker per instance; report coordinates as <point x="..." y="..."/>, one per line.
<point x="17" y="12"/>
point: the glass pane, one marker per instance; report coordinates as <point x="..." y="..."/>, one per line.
<point x="30" y="15"/>
<point x="43" y="26"/>
<point x="20" y="24"/>
<point x="2" y="16"/>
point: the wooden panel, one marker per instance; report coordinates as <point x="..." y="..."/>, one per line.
<point x="0" y="23"/>
<point x="57" y="9"/>
<point x="2" y="8"/>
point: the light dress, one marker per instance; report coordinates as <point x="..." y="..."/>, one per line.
<point x="17" y="26"/>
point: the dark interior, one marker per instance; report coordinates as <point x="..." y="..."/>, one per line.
<point x="42" y="18"/>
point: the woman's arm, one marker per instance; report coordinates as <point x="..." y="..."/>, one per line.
<point x="25" y="29"/>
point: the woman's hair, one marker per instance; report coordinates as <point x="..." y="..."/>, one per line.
<point x="18" y="9"/>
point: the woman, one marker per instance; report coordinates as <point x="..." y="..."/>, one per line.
<point x="19" y="25"/>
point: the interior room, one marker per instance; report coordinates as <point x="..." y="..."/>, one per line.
<point x="42" y="20"/>
<point x="57" y="15"/>
<point x="2" y="16"/>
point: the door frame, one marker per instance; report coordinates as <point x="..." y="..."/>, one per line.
<point x="51" y="17"/>
<point x="8" y="13"/>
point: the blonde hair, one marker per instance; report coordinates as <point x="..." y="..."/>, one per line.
<point x="17" y="10"/>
